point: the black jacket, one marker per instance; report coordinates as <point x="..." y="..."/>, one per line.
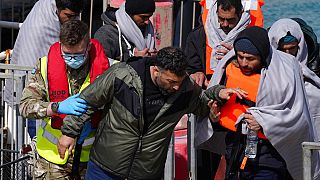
<point x="196" y="50"/>
<point x="108" y="35"/>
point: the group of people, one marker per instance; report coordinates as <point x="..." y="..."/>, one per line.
<point x="281" y="105"/>
<point x="109" y="105"/>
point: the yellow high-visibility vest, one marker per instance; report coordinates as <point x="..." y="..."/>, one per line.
<point x="47" y="137"/>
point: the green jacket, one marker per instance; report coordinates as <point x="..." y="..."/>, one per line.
<point x="121" y="146"/>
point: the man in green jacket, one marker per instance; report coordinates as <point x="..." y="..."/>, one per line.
<point x="142" y="101"/>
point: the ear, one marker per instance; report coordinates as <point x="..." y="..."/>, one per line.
<point x="154" y="70"/>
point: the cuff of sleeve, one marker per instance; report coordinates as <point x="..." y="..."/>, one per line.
<point x="68" y="128"/>
<point x="68" y="134"/>
<point x="49" y="110"/>
<point x="216" y="95"/>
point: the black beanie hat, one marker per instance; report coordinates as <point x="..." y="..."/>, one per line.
<point x="140" y="6"/>
<point x="245" y="45"/>
<point x="259" y="38"/>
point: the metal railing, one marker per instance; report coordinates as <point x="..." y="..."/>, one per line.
<point x="18" y="169"/>
<point x="10" y="25"/>
<point x="13" y="128"/>
<point x="308" y="148"/>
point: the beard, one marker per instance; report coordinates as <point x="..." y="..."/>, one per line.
<point x="162" y="90"/>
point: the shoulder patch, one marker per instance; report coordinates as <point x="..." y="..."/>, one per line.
<point x="34" y="70"/>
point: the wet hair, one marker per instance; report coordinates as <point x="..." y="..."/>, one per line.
<point x="74" y="5"/>
<point x="73" y="32"/>
<point x="229" y="4"/>
<point x="172" y="59"/>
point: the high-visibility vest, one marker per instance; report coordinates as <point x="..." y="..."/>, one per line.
<point x="55" y="76"/>
<point x="256" y="17"/>
<point x="47" y="137"/>
<point x="233" y="108"/>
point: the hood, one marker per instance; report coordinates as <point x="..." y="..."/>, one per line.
<point x="109" y="16"/>
<point x="259" y="38"/>
<point x="280" y="29"/>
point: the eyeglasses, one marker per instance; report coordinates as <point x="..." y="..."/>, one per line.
<point x="70" y="56"/>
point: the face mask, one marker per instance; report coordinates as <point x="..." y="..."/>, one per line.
<point x="74" y="60"/>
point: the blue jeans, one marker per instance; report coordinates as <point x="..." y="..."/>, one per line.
<point x="95" y="172"/>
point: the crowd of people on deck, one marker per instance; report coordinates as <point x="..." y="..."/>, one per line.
<point x="106" y="107"/>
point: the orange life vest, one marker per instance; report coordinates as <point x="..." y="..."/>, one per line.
<point x="58" y="84"/>
<point x="233" y="108"/>
<point x="256" y="17"/>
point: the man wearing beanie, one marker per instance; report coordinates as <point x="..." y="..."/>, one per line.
<point x="275" y="108"/>
<point x="128" y="31"/>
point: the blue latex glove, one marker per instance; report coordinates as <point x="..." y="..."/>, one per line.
<point x="73" y="106"/>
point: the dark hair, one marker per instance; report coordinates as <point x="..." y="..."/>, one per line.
<point x="73" y="32"/>
<point x="229" y="4"/>
<point x="74" y="5"/>
<point x="172" y="59"/>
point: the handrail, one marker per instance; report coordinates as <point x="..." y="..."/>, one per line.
<point x="15" y="67"/>
<point x="10" y="25"/>
<point x="308" y="147"/>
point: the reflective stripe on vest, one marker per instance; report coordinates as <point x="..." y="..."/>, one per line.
<point x="46" y="134"/>
<point x="47" y="137"/>
<point x="233" y="109"/>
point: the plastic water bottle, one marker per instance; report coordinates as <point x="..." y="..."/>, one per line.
<point x="252" y="144"/>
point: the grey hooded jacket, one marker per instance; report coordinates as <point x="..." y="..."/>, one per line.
<point x="123" y="146"/>
<point x="109" y="35"/>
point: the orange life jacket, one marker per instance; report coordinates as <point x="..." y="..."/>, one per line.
<point x="233" y="108"/>
<point x="58" y="85"/>
<point x="256" y="17"/>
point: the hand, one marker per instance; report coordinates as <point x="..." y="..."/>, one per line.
<point x="251" y="122"/>
<point x="221" y="52"/>
<point x="142" y="53"/>
<point x="200" y="78"/>
<point x="65" y="143"/>
<point x="214" y="111"/>
<point x="227" y="92"/>
<point x="152" y="52"/>
<point x="74" y="105"/>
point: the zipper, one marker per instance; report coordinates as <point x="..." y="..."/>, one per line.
<point x="139" y="144"/>
<point x="137" y="150"/>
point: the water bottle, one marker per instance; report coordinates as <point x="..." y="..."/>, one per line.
<point x="252" y="143"/>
